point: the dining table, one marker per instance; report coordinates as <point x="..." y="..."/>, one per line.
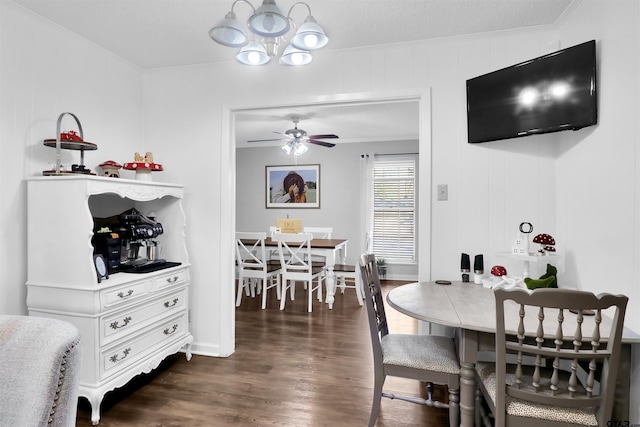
<point x="334" y="251"/>
<point x="470" y="310"/>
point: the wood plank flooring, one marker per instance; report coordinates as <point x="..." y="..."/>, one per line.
<point x="290" y="368"/>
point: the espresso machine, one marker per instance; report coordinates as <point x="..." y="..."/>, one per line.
<point x="140" y="249"/>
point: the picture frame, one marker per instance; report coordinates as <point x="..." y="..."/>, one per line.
<point x="296" y="176"/>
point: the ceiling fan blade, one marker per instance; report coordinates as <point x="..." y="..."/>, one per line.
<point x="268" y="140"/>
<point x="323" y="143"/>
<point x="327" y="136"/>
<point x="276" y="139"/>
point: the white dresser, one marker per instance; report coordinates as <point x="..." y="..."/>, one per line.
<point x="129" y="322"/>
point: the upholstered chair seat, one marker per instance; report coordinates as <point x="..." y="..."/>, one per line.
<point x="522" y="408"/>
<point x="39" y="372"/>
<point x="427" y="352"/>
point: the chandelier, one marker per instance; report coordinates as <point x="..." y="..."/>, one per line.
<point x="268" y="27"/>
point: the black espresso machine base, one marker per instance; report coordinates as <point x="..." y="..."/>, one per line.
<point x="148" y="267"/>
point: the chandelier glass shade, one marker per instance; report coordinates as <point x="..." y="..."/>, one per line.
<point x="253" y="53"/>
<point x="268" y="27"/>
<point x="229" y="32"/>
<point x="295" y="56"/>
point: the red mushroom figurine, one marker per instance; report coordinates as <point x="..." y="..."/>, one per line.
<point x="498" y="270"/>
<point x="110" y="168"/>
<point x="545" y="241"/>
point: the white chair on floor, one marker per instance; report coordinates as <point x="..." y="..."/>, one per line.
<point x="347" y="276"/>
<point x="252" y="267"/>
<point x="426" y="358"/>
<point x="319" y="233"/>
<point x="295" y="260"/>
<point x="272" y="254"/>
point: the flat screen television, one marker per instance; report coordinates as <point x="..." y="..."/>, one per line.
<point x="551" y="93"/>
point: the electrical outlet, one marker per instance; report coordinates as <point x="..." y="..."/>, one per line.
<point x="443" y="192"/>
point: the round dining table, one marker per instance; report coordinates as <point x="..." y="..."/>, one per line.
<point x="470" y="309"/>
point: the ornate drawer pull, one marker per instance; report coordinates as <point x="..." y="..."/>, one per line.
<point x="173" y="279"/>
<point x="170" y="331"/>
<point x="123" y="295"/>
<point x="169" y="304"/>
<point x="125" y="353"/>
<point x="126" y="320"/>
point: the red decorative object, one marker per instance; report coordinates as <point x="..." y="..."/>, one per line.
<point x="132" y="166"/>
<point x="110" y="169"/>
<point x="545" y="241"/>
<point x="110" y="163"/>
<point x="498" y="270"/>
<point x="70" y="136"/>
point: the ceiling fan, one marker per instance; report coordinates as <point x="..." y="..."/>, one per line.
<point x="296" y="138"/>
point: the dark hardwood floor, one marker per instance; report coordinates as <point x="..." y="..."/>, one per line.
<point x="290" y="368"/>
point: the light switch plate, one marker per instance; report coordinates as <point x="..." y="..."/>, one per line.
<point x="443" y="192"/>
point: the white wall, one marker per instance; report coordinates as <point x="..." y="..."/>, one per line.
<point x="492" y="187"/>
<point x="340" y="192"/>
<point x="45" y="71"/>
<point x="598" y="179"/>
<point x="578" y="186"/>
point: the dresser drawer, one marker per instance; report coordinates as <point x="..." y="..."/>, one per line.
<point x="116" y="358"/>
<point x="123" y="294"/>
<point x="173" y="278"/>
<point x="131" y="319"/>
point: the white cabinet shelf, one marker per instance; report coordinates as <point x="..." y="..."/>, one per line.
<point x="553" y="259"/>
<point x="129" y="322"/>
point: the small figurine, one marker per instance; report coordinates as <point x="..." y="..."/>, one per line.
<point x="521" y="243"/>
<point x="110" y="169"/>
<point x="546" y="243"/>
<point x="547" y="280"/>
<point x="143" y="166"/>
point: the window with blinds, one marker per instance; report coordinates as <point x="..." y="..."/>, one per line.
<point x="394" y="208"/>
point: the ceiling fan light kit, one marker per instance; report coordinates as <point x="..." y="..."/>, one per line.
<point x="269" y="26"/>
<point x="297" y="147"/>
<point x="296" y="139"/>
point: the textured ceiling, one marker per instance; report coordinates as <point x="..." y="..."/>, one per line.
<point x="159" y="33"/>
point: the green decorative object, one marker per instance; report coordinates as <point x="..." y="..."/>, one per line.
<point x="547" y="280"/>
<point x="551" y="272"/>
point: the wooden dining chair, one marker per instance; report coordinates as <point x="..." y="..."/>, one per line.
<point x="319" y="233"/>
<point x="296" y="266"/>
<point x="253" y="267"/>
<point x="427" y="358"/>
<point x="570" y="380"/>
<point x="272" y="254"/>
<point x="347" y="276"/>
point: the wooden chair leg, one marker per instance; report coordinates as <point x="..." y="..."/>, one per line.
<point x="283" y="298"/>
<point x="377" y="398"/>
<point x="454" y="407"/>
<point x="265" y="284"/>
<point x="359" y="294"/>
<point x="278" y="284"/>
<point x="240" y="290"/>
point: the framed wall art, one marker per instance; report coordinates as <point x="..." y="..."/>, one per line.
<point x="293" y="186"/>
